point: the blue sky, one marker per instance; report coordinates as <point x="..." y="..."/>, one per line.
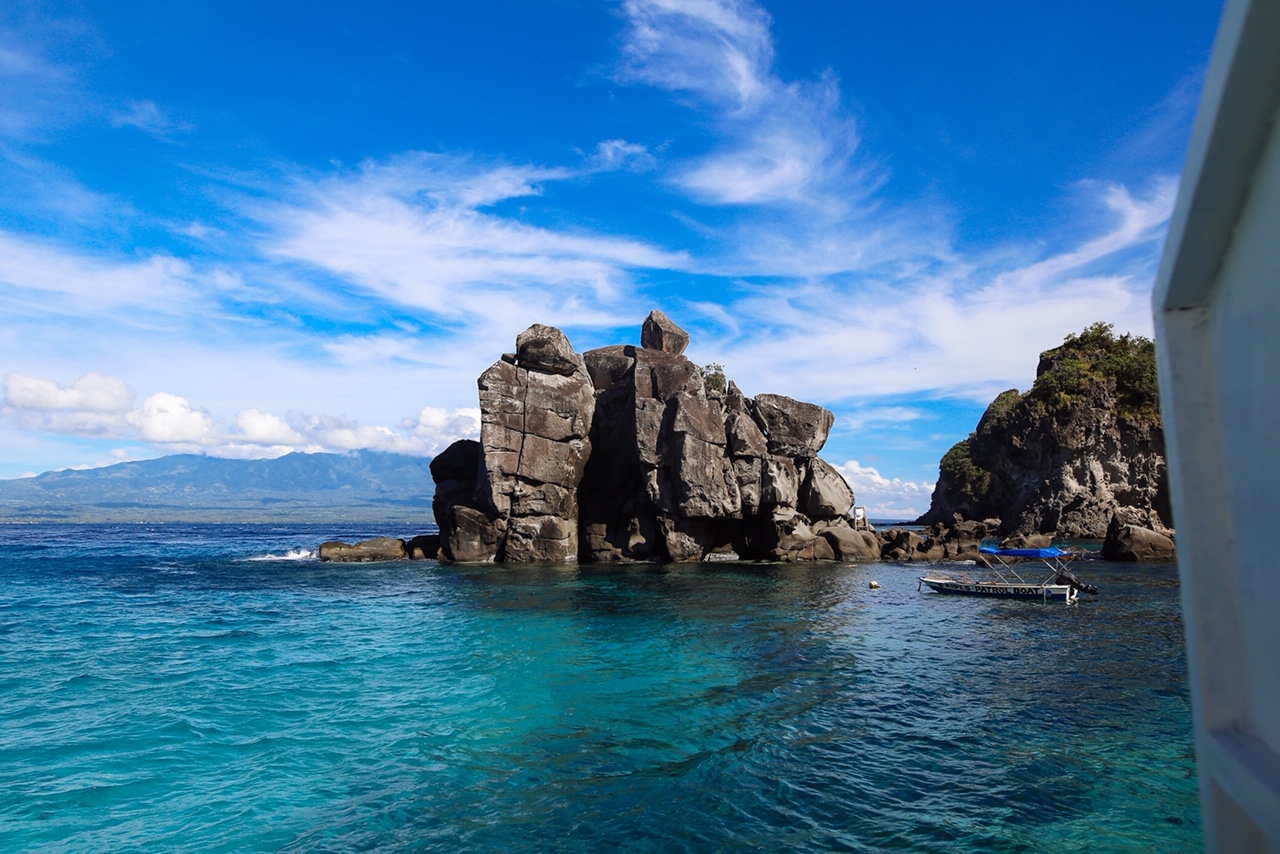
<point x="247" y="229"/>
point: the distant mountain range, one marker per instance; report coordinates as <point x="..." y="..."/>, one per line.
<point x="361" y="486"/>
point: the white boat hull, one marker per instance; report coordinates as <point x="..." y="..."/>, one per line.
<point x="1002" y="590"/>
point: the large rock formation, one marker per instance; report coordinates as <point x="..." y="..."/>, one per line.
<point x="1083" y="445"/>
<point x="628" y="453"/>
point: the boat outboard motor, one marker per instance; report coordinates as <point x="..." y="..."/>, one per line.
<point x="1066" y="576"/>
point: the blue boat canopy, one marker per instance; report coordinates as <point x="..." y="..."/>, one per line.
<point x="1052" y="551"/>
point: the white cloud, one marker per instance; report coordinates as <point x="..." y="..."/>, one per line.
<point x="613" y="154"/>
<point x="258" y="434"/>
<point x="719" y="52"/>
<point x="438" y="428"/>
<point x="94" y="405"/>
<point x="1141" y="221"/>
<point x="167" y="419"/>
<point x="966" y="328"/>
<point x="339" y="433"/>
<point x="33" y="90"/>
<point x="40" y="279"/>
<point x="423" y="267"/>
<point x="147" y="117"/>
<point x="97" y="405"/>
<point x="864" y="417"/>
<point x="886" y="498"/>
<point x="93" y="392"/>
<point x="263" y="428"/>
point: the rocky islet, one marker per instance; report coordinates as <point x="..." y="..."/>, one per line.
<point x="1079" y="455"/>
<point x="629" y="453"/>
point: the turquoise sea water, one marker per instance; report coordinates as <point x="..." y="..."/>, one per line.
<point x="192" y="687"/>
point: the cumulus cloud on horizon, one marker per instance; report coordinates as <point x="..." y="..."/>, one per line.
<point x="101" y="406"/>
<point x="884" y="497"/>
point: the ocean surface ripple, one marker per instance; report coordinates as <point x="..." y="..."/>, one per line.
<point x="214" y="687"/>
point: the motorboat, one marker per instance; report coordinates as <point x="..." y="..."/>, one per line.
<point x="1009" y="576"/>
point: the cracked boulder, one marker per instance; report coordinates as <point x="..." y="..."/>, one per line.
<point x="535" y="424"/>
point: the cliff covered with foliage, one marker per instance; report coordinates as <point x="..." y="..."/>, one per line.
<point x="1085" y="443"/>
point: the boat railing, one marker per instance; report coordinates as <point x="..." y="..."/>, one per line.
<point x="1002" y="561"/>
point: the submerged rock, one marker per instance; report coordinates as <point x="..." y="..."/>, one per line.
<point x="381" y="548"/>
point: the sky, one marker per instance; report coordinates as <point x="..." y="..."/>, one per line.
<point x="250" y="229"/>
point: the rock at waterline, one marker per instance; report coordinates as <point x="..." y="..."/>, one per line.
<point x="381" y="548"/>
<point x="1135" y="543"/>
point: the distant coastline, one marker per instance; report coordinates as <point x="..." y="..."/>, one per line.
<point x="362" y="487"/>
<point x="397" y="519"/>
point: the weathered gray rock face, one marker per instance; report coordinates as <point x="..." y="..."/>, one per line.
<point x="793" y="428"/>
<point x="848" y="544"/>
<point x="625" y="454"/>
<point x="513" y="496"/>
<point x="461" y="494"/>
<point x="957" y="542"/>
<point x="825" y="492"/>
<point x="1027" y="541"/>
<point x="659" y="332"/>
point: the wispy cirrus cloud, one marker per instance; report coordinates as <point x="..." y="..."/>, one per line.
<point x="148" y="117"/>
<point x="844" y="292"/>
<point x="31" y="87"/>
<point x="783" y="246"/>
<point x="881" y="416"/>
<point x="417" y="231"/>
<point x="713" y="51"/>
<point x="781" y="143"/>
<point x="43" y="278"/>
<point x="965" y="328"/>
<point x="613" y="154"/>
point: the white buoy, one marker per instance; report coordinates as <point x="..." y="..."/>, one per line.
<point x="875" y="585"/>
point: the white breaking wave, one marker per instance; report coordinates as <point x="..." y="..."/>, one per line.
<point x="292" y="554"/>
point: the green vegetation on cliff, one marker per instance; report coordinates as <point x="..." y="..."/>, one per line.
<point x="1097" y="355"/>
<point x="958" y="469"/>
<point x="713" y="376"/>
